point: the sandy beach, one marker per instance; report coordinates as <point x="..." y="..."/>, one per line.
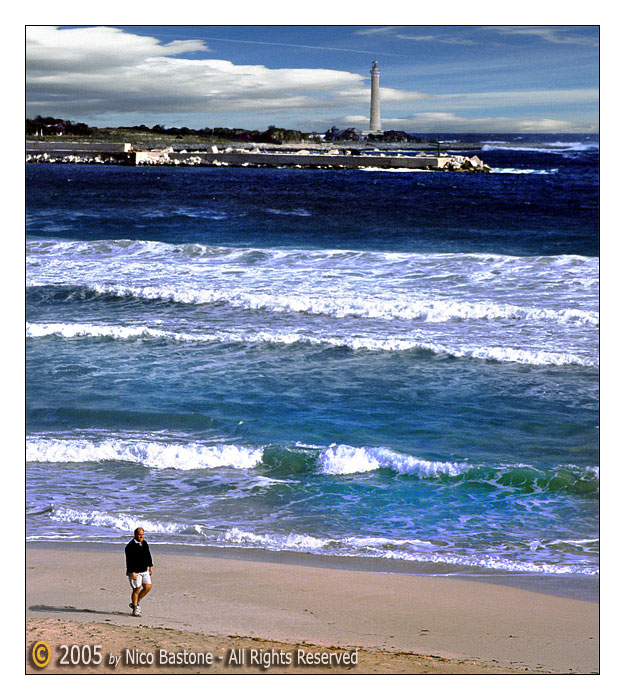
<point x="287" y="617"/>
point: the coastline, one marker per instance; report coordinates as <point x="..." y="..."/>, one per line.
<point x="419" y="620"/>
<point x="576" y="587"/>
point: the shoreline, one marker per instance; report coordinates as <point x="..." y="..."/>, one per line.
<point x="494" y="627"/>
<point x="575" y="587"/>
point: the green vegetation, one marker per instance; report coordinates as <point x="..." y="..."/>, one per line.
<point x="158" y="135"/>
<point x="43" y="127"/>
<point x="185" y="138"/>
<point x="52" y="126"/>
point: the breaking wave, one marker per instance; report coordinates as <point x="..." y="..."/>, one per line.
<point x="335" y="460"/>
<point x="392" y="344"/>
<point x="524" y="171"/>
<point x="412" y="550"/>
<point x="432" y="311"/>
<point x="152" y="454"/>
<point x="552" y="148"/>
<point x="121" y="521"/>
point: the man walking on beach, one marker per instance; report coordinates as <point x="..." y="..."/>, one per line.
<point x="138" y="569"/>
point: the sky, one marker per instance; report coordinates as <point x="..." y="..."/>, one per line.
<point x="433" y="78"/>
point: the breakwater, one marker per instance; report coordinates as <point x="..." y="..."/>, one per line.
<point x="48" y="152"/>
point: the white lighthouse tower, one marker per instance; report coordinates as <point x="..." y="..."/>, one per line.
<point x="375" y="126"/>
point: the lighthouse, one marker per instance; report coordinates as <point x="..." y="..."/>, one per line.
<point x="375" y="126"/>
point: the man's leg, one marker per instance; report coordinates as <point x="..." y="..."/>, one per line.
<point x="143" y="592"/>
<point x="135" y="585"/>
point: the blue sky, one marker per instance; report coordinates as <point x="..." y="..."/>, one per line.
<point x="433" y="78"/>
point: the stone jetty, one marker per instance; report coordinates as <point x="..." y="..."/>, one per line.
<point x="329" y="158"/>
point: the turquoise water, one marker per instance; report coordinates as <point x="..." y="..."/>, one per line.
<point x="375" y="364"/>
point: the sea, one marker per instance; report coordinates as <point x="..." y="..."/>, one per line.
<point x="363" y="365"/>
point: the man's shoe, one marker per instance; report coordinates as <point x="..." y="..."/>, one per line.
<point x="136" y="611"/>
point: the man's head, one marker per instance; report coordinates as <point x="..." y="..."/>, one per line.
<point x="139" y="534"/>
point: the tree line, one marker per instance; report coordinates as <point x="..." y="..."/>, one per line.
<point x="53" y="126"/>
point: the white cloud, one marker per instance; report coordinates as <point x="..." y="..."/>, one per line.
<point x="400" y="33"/>
<point x="452" y="122"/>
<point x="101" y="70"/>
<point x="552" y="35"/>
<point x="83" y="50"/>
<point x="514" y="98"/>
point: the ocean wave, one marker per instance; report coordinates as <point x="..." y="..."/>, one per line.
<point x="152" y="454"/>
<point x="524" y="171"/>
<point x="120" y="521"/>
<point x="373" y="344"/>
<point x="40" y="249"/>
<point x="278" y="462"/>
<point x="372" y="169"/>
<point x="370" y="284"/>
<point x="50" y="247"/>
<point x="556" y="147"/>
<point x="575" y="145"/>
<point x="92" y="330"/>
<point x="289" y="212"/>
<point x="432" y="311"/>
<point x="345" y="459"/>
<point x="411" y="550"/>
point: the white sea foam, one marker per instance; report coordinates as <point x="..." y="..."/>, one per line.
<point x="372" y="169"/>
<point x="495" y="563"/>
<point x="581" y="543"/>
<point x="333" y="460"/>
<point x="120" y="521"/>
<point x="516" y="355"/>
<point x="69" y="252"/>
<point x="383" y="542"/>
<point x="289" y="212"/>
<point x="376" y="344"/>
<point x="495" y="354"/>
<point x="433" y="311"/>
<point x="70" y="255"/>
<point x="404" y="549"/>
<point x="435" y="288"/>
<point x="413" y="550"/>
<point x="345" y="459"/>
<point x="524" y="171"/>
<point x="292" y="541"/>
<point x="77" y="330"/>
<point x="575" y="145"/>
<point x="551" y="148"/>
<point x="155" y="455"/>
<point x="91" y="330"/>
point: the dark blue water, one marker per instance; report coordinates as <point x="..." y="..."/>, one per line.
<point x="384" y="364"/>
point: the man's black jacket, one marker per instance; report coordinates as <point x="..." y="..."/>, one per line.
<point x="138" y="557"/>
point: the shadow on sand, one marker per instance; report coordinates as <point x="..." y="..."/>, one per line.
<point x="70" y="608"/>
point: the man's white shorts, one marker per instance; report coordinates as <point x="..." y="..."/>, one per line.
<point x="143" y="577"/>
